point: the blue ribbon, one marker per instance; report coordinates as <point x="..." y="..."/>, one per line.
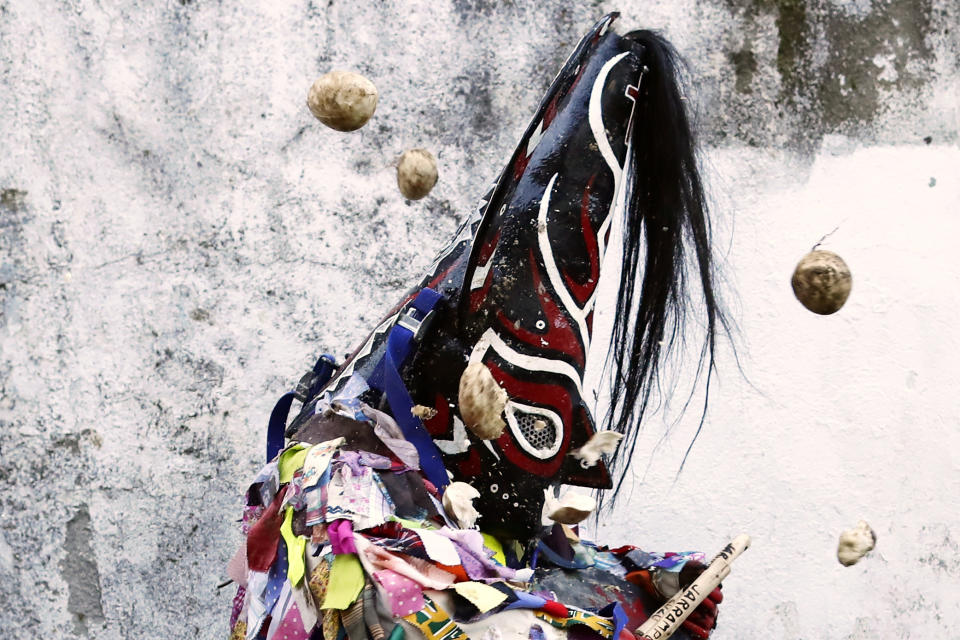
<point x="276" y="428"/>
<point x="615" y="611"/>
<point x="278" y="424"/>
<point x="386" y="378"/>
<point x="557" y="559"/>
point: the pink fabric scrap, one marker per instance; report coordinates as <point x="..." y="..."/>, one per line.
<point x="405" y="595"/>
<point x="291" y="627"/>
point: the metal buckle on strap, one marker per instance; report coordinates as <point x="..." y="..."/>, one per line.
<point x="410" y="321"/>
<point x="302" y="392"/>
<point x="305" y="388"/>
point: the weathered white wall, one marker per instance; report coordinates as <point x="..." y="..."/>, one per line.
<point x="179" y="239"/>
<point x="841" y="417"/>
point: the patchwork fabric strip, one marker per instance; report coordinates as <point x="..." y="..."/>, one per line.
<point x="291" y="627"/>
<point x="256" y="607"/>
<point x="317" y="460"/>
<point x="290" y="460"/>
<point x="398" y="539"/>
<point x="390" y="434"/>
<point x="239" y="631"/>
<point x="352" y="620"/>
<point x="482" y="596"/>
<point x="435" y="624"/>
<point x="601" y="625"/>
<point x="280" y="611"/>
<point x="276" y="578"/>
<point x="438" y="547"/>
<point x="319" y="579"/>
<point x="354" y="495"/>
<point x="263" y="537"/>
<point x="476" y="558"/>
<point x="265" y="484"/>
<point x="316" y="499"/>
<point x="237" y="608"/>
<point x="370" y="617"/>
<point x="421" y="572"/>
<point x="331" y="623"/>
<point x="295" y="548"/>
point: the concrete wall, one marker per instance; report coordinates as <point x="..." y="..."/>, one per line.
<point x="179" y="238"/>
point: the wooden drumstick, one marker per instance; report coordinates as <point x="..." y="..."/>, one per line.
<point x="674" y="611"/>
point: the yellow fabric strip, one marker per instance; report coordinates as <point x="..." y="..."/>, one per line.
<point x="482" y="596"/>
<point x="290" y="460"/>
<point x="346" y="582"/>
<point x="494" y="545"/>
<point x="296" y="546"/>
<point x="239" y="631"/>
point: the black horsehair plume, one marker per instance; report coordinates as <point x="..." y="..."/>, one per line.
<point x="667" y="206"/>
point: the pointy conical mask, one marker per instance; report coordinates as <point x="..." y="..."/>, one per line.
<point x="519" y="284"/>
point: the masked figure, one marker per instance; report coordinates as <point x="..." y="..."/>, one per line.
<point x="518" y="283"/>
<point x="510" y="301"/>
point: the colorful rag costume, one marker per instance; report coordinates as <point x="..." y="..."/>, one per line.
<point x="346" y="542"/>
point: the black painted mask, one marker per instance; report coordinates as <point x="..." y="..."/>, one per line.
<point x="519" y="284"/>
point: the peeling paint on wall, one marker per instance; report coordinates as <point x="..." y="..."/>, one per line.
<point x="829" y="68"/>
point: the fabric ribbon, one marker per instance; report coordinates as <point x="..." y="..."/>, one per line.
<point x="386" y="378"/>
<point x="435" y="624"/>
<point x="346" y="582"/>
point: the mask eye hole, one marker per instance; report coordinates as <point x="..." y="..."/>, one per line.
<point x="538" y="431"/>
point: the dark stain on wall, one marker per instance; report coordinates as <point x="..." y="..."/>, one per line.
<point x="744" y="66"/>
<point x="793" y="50"/>
<point x="884" y="49"/>
<point x="838" y="71"/>
<point x="14" y="216"/>
<point x="79" y="570"/>
<point x="12" y="200"/>
<point x="865" y="52"/>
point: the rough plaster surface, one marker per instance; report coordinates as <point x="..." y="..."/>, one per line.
<point x="179" y="238"/>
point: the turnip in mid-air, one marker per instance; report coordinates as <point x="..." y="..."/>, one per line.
<point x="822" y="282"/>
<point x="342" y="100"/>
